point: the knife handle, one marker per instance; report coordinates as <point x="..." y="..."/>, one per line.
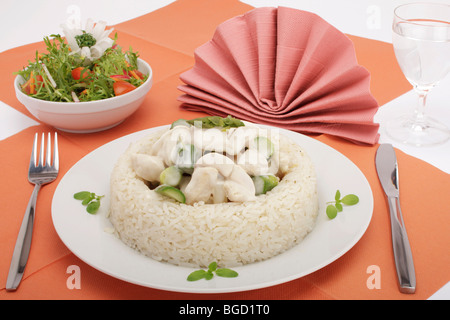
<point x="402" y="250"/>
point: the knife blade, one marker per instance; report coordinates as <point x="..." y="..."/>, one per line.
<point x="387" y="169"/>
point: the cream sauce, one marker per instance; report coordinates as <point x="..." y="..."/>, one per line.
<point x="220" y="162"/>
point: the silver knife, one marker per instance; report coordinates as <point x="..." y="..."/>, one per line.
<point x="387" y="169"/>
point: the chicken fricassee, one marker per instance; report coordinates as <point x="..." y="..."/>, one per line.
<point x="211" y="159"/>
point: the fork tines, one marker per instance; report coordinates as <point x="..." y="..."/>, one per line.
<point x="48" y="158"/>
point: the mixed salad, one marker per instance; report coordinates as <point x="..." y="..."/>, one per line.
<point x="67" y="74"/>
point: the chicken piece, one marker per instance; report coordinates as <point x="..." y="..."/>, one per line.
<point x="240" y="138"/>
<point x="236" y="192"/>
<point x="201" y="185"/>
<point x="212" y="139"/>
<point x="167" y="146"/>
<point x="274" y="163"/>
<point x="239" y="186"/>
<point x="216" y="160"/>
<point x="253" y="162"/>
<point x="147" y="167"/>
<point x="159" y="143"/>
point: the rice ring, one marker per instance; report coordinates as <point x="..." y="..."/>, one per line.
<point x="229" y="233"/>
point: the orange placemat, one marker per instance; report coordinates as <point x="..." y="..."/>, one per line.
<point x="166" y="39"/>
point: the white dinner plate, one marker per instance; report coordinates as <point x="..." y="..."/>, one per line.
<point x="89" y="237"/>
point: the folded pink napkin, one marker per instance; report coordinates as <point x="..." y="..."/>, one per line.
<point x="283" y="67"/>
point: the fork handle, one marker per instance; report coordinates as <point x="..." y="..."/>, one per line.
<point x="23" y="244"/>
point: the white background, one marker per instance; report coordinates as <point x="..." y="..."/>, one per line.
<point x="24" y="22"/>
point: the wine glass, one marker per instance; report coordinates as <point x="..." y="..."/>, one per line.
<point x="421" y="39"/>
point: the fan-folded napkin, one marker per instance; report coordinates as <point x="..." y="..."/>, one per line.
<point x="283" y="67"/>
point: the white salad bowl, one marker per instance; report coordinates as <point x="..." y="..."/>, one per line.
<point x="85" y="117"/>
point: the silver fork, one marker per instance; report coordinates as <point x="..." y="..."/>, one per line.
<point x="38" y="174"/>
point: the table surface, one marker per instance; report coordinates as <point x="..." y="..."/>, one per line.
<point x="366" y="19"/>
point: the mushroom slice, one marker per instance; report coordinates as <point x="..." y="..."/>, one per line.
<point x="219" y="194"/>
<point x="241" y="177"/>
<point x="216" y="160"/>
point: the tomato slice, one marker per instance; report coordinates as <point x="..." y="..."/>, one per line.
<point x="119" y="77"/>
<point x="122" y="87"/>
<point x="76" y="73"/>
<point x="140" y="74"/>
<point x="134" y="73"/>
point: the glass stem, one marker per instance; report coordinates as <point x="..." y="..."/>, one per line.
<point x="419" y="115"/>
